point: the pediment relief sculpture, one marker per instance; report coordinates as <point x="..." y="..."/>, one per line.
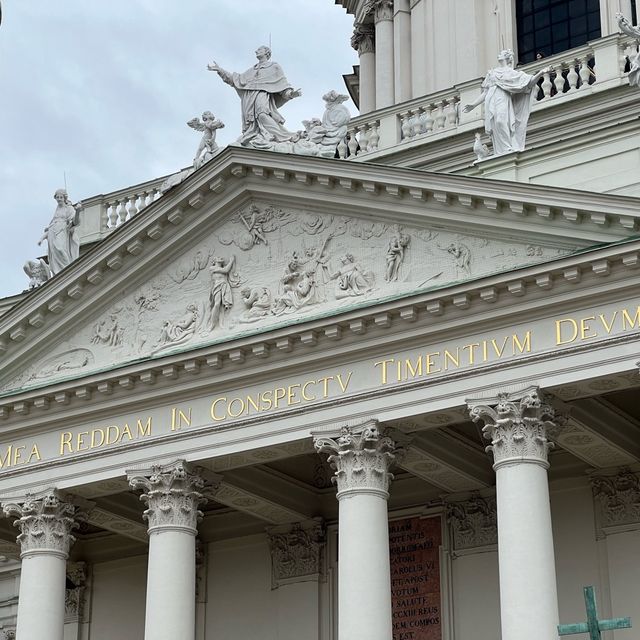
<point x="265" y="264"/>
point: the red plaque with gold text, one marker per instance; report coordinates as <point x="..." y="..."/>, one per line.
<point x="415" y="578"/>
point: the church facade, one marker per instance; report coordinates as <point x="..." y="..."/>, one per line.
<point x="391" y="395"/>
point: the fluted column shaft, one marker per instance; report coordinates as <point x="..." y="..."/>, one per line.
<point x="517" y="426"/>
<point x="171" y="493"/>
<point x="363" y="41"/>
<point x="385" y="93"/>
<point x="45" y="522"/>
<point x="402" y="51"/>
<point x="362" y="459"/>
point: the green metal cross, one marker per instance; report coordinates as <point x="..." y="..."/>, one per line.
<point x="593" y="626"/>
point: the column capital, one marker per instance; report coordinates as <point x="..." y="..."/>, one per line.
<point x="616" y="493"/>
<point x="46" y="520"/>
<point x="361" y="457"/>
<point x="172" y="495"/>
<point x="383" y="10"/>
<point x="363" y="39"/>
<point x="517" y="424"/>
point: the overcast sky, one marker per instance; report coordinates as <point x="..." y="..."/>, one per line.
<point x="102" y="89"/>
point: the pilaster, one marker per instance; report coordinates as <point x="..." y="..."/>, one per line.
<point x="472" y="522"/>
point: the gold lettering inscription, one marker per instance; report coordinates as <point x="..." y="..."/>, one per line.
<point x="178" y="418"/>
<point x="16" y="454"/>
<point x="102" y="437"/>
<point x="298" y="393"/>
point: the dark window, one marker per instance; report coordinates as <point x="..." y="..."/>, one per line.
<point x="553" y="26"/>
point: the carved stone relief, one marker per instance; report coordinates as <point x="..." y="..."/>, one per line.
<point x="617" y="499"/>
<point x="265" y="263"/>
<point x="297" y="552"/>
<point x="473" y="522"/>
<point x="76" y="592"/>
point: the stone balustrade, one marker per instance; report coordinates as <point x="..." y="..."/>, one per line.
<point x="598" y="65"/>
<point x="104" y="213"/>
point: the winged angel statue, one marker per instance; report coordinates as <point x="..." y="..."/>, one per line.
<point x="627" y="28"/>
<point x="38" y="272"/>
<point x="207" y="148"/>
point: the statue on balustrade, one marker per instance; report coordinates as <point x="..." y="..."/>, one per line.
<point x="63" y="244"/>
<point x="263" y="89"/>
<point x="628" y="29"/>
<point x="507" y="95"/>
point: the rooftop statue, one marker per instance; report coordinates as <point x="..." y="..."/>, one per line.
<point x="507" y="95"/>
<point x="263" y="89"/>
<point x="63" y="244"/>
<point x="207" y="148"/>
<point x="38" y="272"/>
<point x="627" y="28"/>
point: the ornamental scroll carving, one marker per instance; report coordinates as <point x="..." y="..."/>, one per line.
<point x="297" y="552"/>
<point x="516" y="424"/>
<point x="617" y="499"/>
<point x="361" y="457"/>
<point x="473" y="522"/>
<point x="172" y="494"/>
<point x="45" y="521"/>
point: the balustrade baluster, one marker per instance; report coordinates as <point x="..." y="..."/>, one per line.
<point x="352" y="144"/>
<point x="122" y="212"/>
<point x="572" y="76"/>
<point x="440" y="118"/>
<point x="364" y="139"/>
<point x="427" y="119"/>
<point x="585" y="72"/>
<point x="414" y="123"/>
<point x="373" y="137"/>
<point x="132" y="208"/>
<point x="451" y="113"/>
<point x="546" y="85"/>
<point x="405" y="126"/>
<point x="113" y="214"/>
<point x="559" y="80"/>
<point x="342" y="149"/>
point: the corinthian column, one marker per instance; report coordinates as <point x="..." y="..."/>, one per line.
<point x="363" y="41"/>
<point x="361" y="458"/>
<point x="383" y="16"/>
<point x="172" y="495"/>
<point x="516" y="424"/>
<point x="45" y="521"/>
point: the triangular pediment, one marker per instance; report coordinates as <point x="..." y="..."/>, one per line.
<point x="258" y="241"/>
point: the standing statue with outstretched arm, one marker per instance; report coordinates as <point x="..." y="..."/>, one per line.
<point x="507" y="95"/>
<point x="628" y="29"/>
<point x="263" y="89"/>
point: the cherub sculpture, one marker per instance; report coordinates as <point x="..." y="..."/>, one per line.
<point x="207" y="148"/>
<point x="627" y="28"/>
<point x="38" y="272"/>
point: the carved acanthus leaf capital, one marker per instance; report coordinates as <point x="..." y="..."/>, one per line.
<point x="363" y="39"/>
<point x="46" y="521"/>
<point x="383" y="10"/>
<point x="617" y="499"/>
<point x="517" y="425"/>
<point x="172" y="493"/>
<point x="361" y="458"/>
<point x="297" y="552"/>
<point x="473" y="522"/>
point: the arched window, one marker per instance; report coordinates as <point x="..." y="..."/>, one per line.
<point x="551" y="26"/>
